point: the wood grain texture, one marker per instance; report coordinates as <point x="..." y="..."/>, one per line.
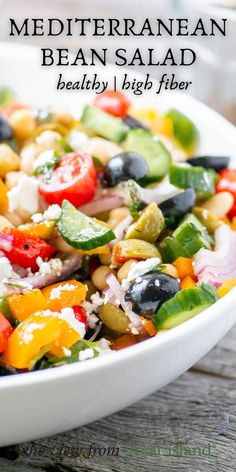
<point x="198" y="410"/>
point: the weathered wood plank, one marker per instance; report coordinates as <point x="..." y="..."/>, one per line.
<point x="198" y="410"/>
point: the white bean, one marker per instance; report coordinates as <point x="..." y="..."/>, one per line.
<point x="220" y="204"/>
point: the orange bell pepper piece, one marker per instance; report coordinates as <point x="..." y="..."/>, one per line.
<point x="184" y="266"/>
<point x="30" y="337"/>
<point x="23" y="305"/>
<point x="5" y="331"/>
<point x="226" y="287"/>
<point x="67" y="338"/>
<point x="187" y="282"/>
<point x="3" y="198"/>
<point x="123" y="341"/>
<point x="150" y="328"/>
<point x="64" y="294"/>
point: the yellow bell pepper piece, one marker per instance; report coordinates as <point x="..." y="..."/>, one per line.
<point x="42" y="230"/>
<point x="226" y="287"/>
<point x="23" y="305"/>
<point x="3" y="198"/>
<point x="30" y="337"/>
<point x="97" y="250"/>
<point x="64" y="294"/>
<point x="158" y="124"/>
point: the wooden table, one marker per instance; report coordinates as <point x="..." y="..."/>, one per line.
<point x="190" y="425"/>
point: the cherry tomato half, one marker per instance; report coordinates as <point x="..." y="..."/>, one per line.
<point x="115" y="103"/>
<point x="24" y="249"/>
<point x="74" y="179"/>
<point x="227" y="183"/>
<point x="80" y="314"/>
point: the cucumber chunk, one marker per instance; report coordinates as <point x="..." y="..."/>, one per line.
<point x="186" y="240"/>
<point x="81" y="231"/>
<point x="184" y="129"/>
<point x="202" y="180"/>
<point x="153" y="150"/>
<point x="184" y="305"/>
<point x="103" y="124"/>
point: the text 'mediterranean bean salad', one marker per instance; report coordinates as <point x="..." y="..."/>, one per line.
<point x="112" y="229"/>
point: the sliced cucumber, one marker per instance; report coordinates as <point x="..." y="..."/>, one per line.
<point x="81" y="231"/>
<point x="103" y="124"/>
<point x="184" y="129"/>
<point x="186" y="240"/>
<point x="184" y="305"/>
<point x="202" y="180"/>
<point x="153" y="150"/>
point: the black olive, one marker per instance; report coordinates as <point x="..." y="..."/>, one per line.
<point x="178" y="206"/>
<point x="124" y="166"/>
<point x="133" y="123"/>
<point x="5" y="130"/>
<point x="150" y="291"/>
<point x="210" y="162"/>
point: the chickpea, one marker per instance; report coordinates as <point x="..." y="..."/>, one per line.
<point x="64" y="118"/>
<point x="116" y="216"/>
<point x="219" y="204"/>
<point x="105" y="259"/>
<point x="9" y="160"/>
<point x="5" y="223"/>
<point x="28" y="155"/>
<point x="12" y="179"/>
<point x="58" y="242"/>
<point x="102" y="149"/>
<point x="99" y="277"/>
<point x="124" y="270"/>
<point x="23" y="123"/>
<point x="169" y="269"/>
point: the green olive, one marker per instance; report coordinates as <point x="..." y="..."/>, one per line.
<point x="133" y="249"/>
<point x="207" y="218"/>
<point x="149" y="225"/>
<point x="114" y="318"/>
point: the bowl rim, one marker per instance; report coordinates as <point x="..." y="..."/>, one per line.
<point x="148" y="346"/>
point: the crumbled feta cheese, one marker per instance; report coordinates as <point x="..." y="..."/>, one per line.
<point x="86" y="354"/>
<point x="3" y="290"/>
<point x="67" y="314"/>
<point x="52" y="213"/>
<point x="92" y="320"/>
<point x="67" y="352"/>
<point x="104" y="344"/>
<point x="56" y="292"/>
<point x="28" y="334"/>
<point x="5" y="268"/>
<point x="43" y="158"/>
<point x="133" y="330"/>
<point x="48" y="137"/>
<point x="37" y="218"/>
<point x="24" y="196"/>
<point x="78" y="140"/>
<point x="97" y="300"/>
<point x="54" y="265"/>
<point x="141" y="268"/>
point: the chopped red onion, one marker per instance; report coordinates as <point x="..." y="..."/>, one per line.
<point x="70" y="263"/>
<point x="119" y="294"/>
<point x="6" y="242"/>
<point x="120" y="229"/>
<point x="101" y="204"/>
<point x="214" y="267"/>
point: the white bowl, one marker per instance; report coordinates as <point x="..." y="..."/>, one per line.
<point x="41" y="403"/>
